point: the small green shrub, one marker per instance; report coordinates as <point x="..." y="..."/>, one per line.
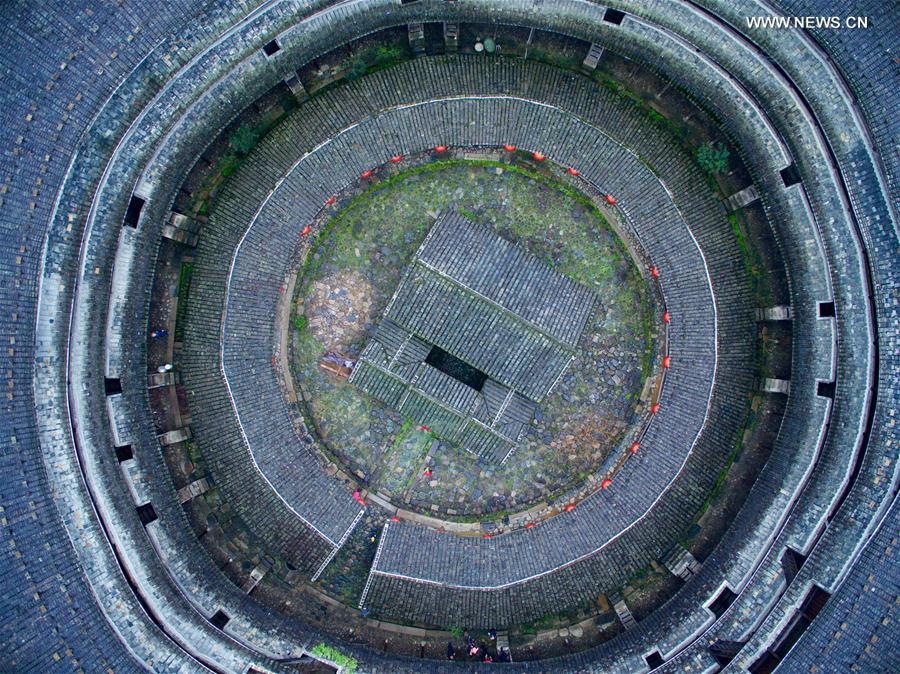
<point x="357" y="67"/>
<point x="229" y="165"/>
<point x="656" y="117"/>
<point x="373" y="58"/>
<point x="713" y="157"/>
<point x="244" y="139"/>
<point x="384" y="55"/>
<point x="301" y="322"/>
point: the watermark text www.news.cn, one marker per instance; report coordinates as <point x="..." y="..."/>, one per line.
<point x="808" y="22"/>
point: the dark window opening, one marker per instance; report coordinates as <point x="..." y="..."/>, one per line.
<point x="408" y="2"/>
<point x="825" y="389"/>
<point x="614" y="16"/>
<point x="271" y="48"/>
<point x="813" y="603"/>
<point x="653" y="660"/>
<point x="220" y="619"/>
<point x="133" y="212"/>
<point x="722" y="602"/>
<point x="147" y="513"/>
<point x="725" y="651"/>
<point x="454" y="367"/>
<point x="791" y="636"/>
<point x="790" y="175"/>
<point x="765" y="664"/>
<point x="826" y="309"/>
<point x="112" y="386"/>
<point x="123" y="453"/>
<point x="791" y="562"/>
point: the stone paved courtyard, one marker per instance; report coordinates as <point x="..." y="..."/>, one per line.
<point x="356" y="266"/>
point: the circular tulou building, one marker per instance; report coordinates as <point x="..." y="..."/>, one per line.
<point x="412" y="336"/>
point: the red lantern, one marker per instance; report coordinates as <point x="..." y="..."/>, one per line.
<point x="487" y="536"/>
<point x="358" y="498"/>
<point x="440" y="149"/>
<point x="666" y="317"/>
<point x="569" y="508"/>
<point x="574" y="172"/>
<point x="655" y="408"/>
<point x="667" y="361"/>
<point x="635" y="446"/>
<point x="331" y="200"/>
<point x="654" y="272"/>
<point x="610" y="200"/>
<point x="538" y="156"/>
<point x="509" y="148"/>
<point x="529" y="525"/>
<point x="366" y="174"/>
<point x="306" y="230"/>
<point x="606" y="484"/>
<point x="396" y="159"/>
<point x="395" y="519"/>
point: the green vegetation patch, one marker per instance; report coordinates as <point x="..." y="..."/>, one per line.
<point x="184" y="289"/>
<point x="753" y="264"/>
<point x="712" y="157"/>
<point x="375" y="58"/>
<point x="331" y="654"/>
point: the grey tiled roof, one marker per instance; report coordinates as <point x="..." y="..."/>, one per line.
<point x="493" y="341"/>
<point x="490" y="304"/>
<point x="429" y="397"/>
<point x="504" y="273"/>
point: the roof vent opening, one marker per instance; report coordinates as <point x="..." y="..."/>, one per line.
<point x="614" y="16"/>
<point x="653" y="660"/>
<point x="825" y="389"/>
<point x="220" y="619"/>
<point x="133" y="212"/>
<point x="722" y="602"/>
<point x="826" y="309"/>
<point x="147" y="513"/>
<point x="271" y="48"/>
<point x="790" y="175"/>
<point x="456" y="368"/>
<point x="124" y="453"/>
<point x="112" y="386"/>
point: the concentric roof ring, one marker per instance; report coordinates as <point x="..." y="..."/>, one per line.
<point x="846" y="341"/>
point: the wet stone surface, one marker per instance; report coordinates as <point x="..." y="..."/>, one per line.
<point x="351" y="275"/>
